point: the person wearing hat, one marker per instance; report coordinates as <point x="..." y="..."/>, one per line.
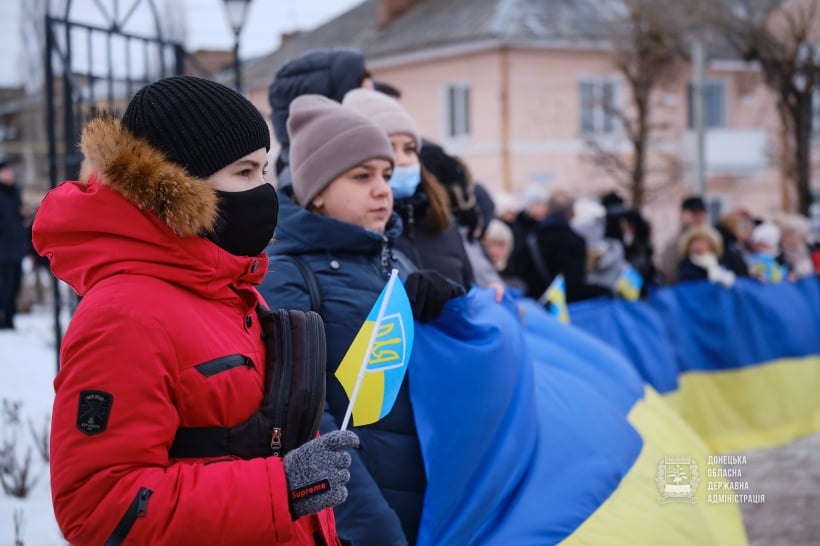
<point x="12" y="243"/>
<point x="700" y="249"/>
<point x="692" y="213"/>
<point x="163" y="238"/>
<point x="431" y="237"/>
<point x="765" y="258"/>
<point x="472" y="208"/>
<point x="330" y="72"/>
<point x="337" y="232"/>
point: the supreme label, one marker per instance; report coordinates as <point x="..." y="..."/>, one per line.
<point x="310" y="490"/>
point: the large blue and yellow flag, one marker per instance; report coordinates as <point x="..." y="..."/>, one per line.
<point x="740" y="365"/>
<point x="373" y="368"/>
<point x="544" y="435"/>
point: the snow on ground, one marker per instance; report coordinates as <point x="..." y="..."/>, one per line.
<point x="28" y="363"/>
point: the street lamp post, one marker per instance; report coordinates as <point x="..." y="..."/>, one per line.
<point x="237" y="12"/>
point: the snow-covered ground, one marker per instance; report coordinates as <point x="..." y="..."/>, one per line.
<point x="28" y="363"/>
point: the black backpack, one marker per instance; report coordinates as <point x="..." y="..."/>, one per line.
<point x="294" y="394"/>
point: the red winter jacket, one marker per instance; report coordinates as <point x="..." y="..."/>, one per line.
<point x="145" y="354"/>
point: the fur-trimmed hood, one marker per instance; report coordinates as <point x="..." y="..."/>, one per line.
<point x="135" y="212"/>
<point x="140" y="173"/>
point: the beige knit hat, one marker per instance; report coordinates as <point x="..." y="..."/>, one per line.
<point x="384" y="111"/>
<point x="326" y="140"/>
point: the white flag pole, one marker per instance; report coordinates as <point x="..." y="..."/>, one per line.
<point x="388" y="290"/>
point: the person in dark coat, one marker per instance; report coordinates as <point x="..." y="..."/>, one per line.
<point x="636" y="235"/>
<point x="534" y="199"/>
<point x="327" y="72"/>
<point x="473" y="208"/>
<point x="559" y="250"/>
<point x="700" y="251"/>
<point x="430" y="236"/>
<point x="12" y="244"/>
<point x="692" y="213"/>
<point x="338" y="223"/>
<point x="735" y="229"/>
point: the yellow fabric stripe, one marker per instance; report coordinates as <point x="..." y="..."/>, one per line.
<point x="633" y="514"/>
<point x="753" y="407"/>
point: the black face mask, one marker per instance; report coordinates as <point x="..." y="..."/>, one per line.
<point x="247" y="220"/>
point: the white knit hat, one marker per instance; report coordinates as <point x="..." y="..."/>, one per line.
<point x="384" y="111"/>
<point x="767" y="234"/>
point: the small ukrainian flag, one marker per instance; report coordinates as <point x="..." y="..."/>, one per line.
<point x="373" y="368"/>
<point x="555" y="297"/>
<point x="630" y="284"/>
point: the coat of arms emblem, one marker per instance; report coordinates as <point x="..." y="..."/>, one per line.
<point x="677" y="479"/>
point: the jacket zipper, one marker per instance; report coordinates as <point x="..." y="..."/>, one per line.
<point x="277" y="435"/>
<point x="385" y="262"/>
<point x="411" y="222"/>
<point x="222" y="364"/>
<point x="137" y="509"/>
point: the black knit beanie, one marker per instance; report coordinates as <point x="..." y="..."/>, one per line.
<point x="198" y="124"/>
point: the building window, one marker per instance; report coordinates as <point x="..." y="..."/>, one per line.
<point x="458" y="110"/>
<point x="715" y="207"/>
<point x="714" y="104"/>
<point x="598" y="106"/>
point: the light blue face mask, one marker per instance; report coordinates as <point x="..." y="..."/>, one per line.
<point x="405" y="180"/>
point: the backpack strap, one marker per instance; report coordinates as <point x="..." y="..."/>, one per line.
<point x="310" y="281"/>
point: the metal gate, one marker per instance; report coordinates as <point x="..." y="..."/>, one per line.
<point x="92" y="67"/>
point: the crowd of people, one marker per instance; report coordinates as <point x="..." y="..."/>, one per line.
<point x="593" y="242"/>
<point x="175" y="241"/>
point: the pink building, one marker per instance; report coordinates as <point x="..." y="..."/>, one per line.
<point x="517" y="90"/>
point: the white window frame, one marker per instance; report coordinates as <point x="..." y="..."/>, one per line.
<point x="604" y="120"/>
<point x="456" y="108"/>
<point x="707" y="107"/>
<point x="716" y="206"/>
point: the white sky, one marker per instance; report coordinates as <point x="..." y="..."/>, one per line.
<point x="267" y="19"/>
<point x="206" y="22"/>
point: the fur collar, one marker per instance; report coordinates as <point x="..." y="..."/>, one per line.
<point x="140" y="173"/>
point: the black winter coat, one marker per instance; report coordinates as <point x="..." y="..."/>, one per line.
<point x="12" y="229"/>
<point x="351" y="265"/>
<point x="563" y="251"/>
<point x="327" y="72"/>
<point x="732" y="256"/>
<point x="443" y="252"/>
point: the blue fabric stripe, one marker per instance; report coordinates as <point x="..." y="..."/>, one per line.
<point x="516" y="451"/>
<point x="703" y="326"/>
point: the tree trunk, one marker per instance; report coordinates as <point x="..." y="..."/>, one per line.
<point x="802" y="151"/>
<point x="786" y="155"/>
<point x="640" y="144"/>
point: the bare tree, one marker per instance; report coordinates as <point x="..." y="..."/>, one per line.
<point x="783" y="37"/>
<point x="646" y="40"/>
<point x="32" y="36"/>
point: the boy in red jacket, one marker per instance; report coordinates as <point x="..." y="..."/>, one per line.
<point x="164" y="239"/>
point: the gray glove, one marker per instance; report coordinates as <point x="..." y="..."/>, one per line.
<point x="318" y="471"/>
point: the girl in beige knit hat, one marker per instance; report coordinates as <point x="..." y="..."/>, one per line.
<point x="430" y="236"/>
